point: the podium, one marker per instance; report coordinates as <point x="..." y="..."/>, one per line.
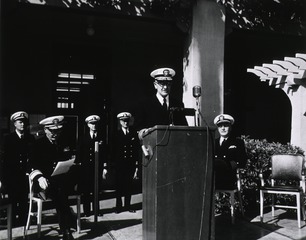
<point x="178" y="183"/>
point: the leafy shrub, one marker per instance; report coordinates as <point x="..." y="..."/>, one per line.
<point x="259" y="154"/>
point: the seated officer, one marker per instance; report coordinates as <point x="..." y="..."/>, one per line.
<point x="47" y="152"/>
<point x="230" y="153"/>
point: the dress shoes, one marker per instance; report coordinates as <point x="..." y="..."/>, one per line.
<point x="67" y="235"/>
<point x="87" y="214"/>
<point x="118" y="210"/>
<point x="129" y="208"/>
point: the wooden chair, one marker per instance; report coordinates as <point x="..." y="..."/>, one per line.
<point x="285" y="168"/>
<point x="232" y="193"/>
<point x="33" y="199"/>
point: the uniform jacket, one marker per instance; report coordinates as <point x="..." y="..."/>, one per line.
<point x="87" y="151"/>
<point x="87" y="159"/>
<point x="151" y="113"/>
<point x="126" y="149"/>
<point x="46" y="155"/>
<point x="15" y="158"/>
<point x="232" y="150"/>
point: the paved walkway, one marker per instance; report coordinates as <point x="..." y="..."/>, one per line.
<point x="128" y="226"/>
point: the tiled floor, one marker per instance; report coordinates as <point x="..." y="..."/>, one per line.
<point x="282" y="226"/>
<point x="128" y="226"/>
<point x="110" y="226"/>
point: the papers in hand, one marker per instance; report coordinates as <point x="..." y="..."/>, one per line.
<point x="62" y="167"/>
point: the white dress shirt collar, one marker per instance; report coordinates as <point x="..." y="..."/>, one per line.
<point x="161" y="99"/>
<point x="93" y="134"/>
<point x="125" y="130"/>
<point x="18" y="133"/>
<point x="222" y="139"/>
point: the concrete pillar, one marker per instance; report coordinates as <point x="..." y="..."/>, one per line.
<point x="297" y="97"/>
<point x="204" y="59"/>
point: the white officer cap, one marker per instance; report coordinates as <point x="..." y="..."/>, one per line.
<point x="19" y="115"/>
<point x="124" y="115"/>
<point x="54" y="122"/>
<point x="163" y="74"/>
<point x="222" y="118"/>
<point x="92" y="119"/>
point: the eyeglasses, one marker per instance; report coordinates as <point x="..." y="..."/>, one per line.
<point x="224" y="124"/>
<point x="164" y="83"/>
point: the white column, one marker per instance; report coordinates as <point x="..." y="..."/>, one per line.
<point x="298" y="118"/>
<point x="204" y="60"/>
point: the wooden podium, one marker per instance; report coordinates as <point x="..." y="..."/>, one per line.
<point x="178" y="183"/>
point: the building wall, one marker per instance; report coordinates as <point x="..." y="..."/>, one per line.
<point x="38" y="42"/>
<point x="123" y="51"/>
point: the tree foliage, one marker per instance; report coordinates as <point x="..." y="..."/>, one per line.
<point x="284" y="16"/>
<point x="271" y="15"/>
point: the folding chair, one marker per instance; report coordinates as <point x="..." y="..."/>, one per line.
<point x="285" y="168"/>
<point x="37" y="200"/>
<point x="232" y="193"/>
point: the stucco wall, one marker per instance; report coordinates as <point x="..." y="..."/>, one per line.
<point x="204" y="60"/>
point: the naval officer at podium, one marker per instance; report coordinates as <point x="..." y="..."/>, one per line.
<point x="160" y="109"/>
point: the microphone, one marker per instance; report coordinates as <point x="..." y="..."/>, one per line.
<point x="196" y="91"/>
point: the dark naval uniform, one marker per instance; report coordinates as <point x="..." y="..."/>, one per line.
<point x="160" y="109"/>
<point x="15" y="159"/>
<point x="151" y="113"/>
<point x="126" y="149"/>
<point x="87" y="160"/>
<point x="44" y="159"/>
<point x="228" y="157"/>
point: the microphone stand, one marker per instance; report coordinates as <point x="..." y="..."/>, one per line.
<point x="197" y="113"/>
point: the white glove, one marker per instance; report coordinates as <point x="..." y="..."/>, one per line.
<point x="104" y="173"/>
<point x="43" y="183"/>
<point x="142" y="132"/>
<point x="135" y="174"/>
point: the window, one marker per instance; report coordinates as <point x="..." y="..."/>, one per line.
<point x="69" y="87"/>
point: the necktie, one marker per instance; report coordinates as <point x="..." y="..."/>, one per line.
<point x="165" y="107"/>
<point x="21" y="136"/>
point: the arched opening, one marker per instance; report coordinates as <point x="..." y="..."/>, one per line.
<point x="261" y="111"/>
